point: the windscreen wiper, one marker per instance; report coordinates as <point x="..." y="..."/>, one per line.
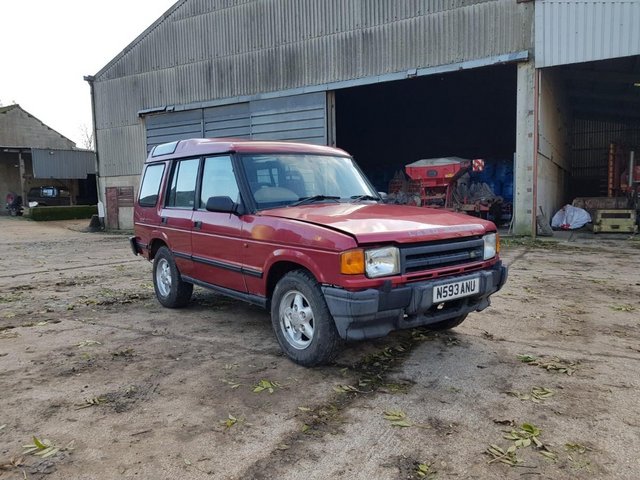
<point x="315" y="198"/>
<point x="360" y="198"/>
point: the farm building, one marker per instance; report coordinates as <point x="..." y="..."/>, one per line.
<point x="32" y="154"/>
<point x="539" y="89"/>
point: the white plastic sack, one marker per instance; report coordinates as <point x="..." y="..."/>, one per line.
<point x="570" y="218"/>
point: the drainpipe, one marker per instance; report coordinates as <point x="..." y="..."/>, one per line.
<point x="90" y="79"/>
<point x="536" y="141"/>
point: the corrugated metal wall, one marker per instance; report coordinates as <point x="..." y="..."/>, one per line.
<point x="300" y="118"/>
<point x="574" y="31"/>
<point x="217" y="49"/>
<point x="590" y="151"/>
<point x="63" y="164"/>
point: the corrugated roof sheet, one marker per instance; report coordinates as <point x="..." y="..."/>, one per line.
<point x="63" y="163"/>
<point x="575" y="31"/>
<point x="203" y="50"/>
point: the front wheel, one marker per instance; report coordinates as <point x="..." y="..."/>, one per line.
<point x="447" y="324"/>
<point x="171" y="290"/>
<point x="301" y="320"/>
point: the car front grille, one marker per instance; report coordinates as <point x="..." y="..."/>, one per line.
<point x="436" y="255"/>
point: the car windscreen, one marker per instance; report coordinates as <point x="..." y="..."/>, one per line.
<point x="277" y="180"/>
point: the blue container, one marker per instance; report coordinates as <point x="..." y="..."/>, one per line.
<point x="495" y="186"/>
<point x="485" y="175"/>
<point x="507" y="189"/>
<point x="504" y="171"/>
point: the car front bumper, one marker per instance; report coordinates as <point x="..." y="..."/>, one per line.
<point x="374" y="313"/>
<point x="133" y="243"/>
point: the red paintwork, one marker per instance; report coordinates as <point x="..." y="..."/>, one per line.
<point x="218" y="239"/>
<point x="379" y="223"/>
<point x="312" y="236"/>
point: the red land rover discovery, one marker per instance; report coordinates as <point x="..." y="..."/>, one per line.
<point x="298" y="229"/>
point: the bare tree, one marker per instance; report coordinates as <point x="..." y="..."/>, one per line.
<point x="86" y="137"/>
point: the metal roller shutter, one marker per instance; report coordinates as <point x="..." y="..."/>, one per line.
<point x="168" y="127"/>
<point x="228" y="121"/>
<point x="300" y="118"/>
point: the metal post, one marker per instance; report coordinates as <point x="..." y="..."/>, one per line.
<point x="536" y="147"/>
<point x="23" y="174"/>
<point x="611" y="169"/>
<point x="331" y="118"/>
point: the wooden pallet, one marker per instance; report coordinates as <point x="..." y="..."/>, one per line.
<point x="614" y="221"/>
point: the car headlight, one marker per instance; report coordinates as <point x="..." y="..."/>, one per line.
<point x="380" y="262"/>
<point x="491" y="245"/>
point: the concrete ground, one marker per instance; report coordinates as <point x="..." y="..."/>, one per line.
<point x="124" y="388"/>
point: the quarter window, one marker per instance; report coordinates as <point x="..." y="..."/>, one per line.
<point x="182" y="192"/>
<point x="150" y="186"/>
<point x="218" y="180"/>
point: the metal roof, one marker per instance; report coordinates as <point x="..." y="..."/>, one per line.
<point x="48" y="163"/>
<point x="20" y="129"/>
<point x="203" y="53"/>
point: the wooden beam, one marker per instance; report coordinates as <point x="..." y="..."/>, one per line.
<point x="602" y="77"/>
<point x="607" y="97"/>
<point x="23" y="179"/>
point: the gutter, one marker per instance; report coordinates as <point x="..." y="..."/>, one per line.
<point x="90" y="80"/>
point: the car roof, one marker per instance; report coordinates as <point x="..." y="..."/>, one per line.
<point x="194" y="147"/>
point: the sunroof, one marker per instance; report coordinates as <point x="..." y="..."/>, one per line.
<point x="164" y="149"/>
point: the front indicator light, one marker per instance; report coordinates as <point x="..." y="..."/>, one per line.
<point x="352" y="262"/>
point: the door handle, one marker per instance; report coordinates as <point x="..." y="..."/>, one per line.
<point x="163" y="220"/>
<point x="197" y="224"/>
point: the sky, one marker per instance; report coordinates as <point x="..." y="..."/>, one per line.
<point x="47" y="47"/>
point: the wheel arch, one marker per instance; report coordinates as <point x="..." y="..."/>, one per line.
<point x="154" y="246"/>
<point x="278" y="270"/>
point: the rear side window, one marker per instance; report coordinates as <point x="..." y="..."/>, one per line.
<point x="151" y="185"/>
<point x="182" y="193"/>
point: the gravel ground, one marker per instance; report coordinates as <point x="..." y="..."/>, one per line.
<point x="127" y="389"/>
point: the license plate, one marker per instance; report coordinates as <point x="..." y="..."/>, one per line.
<point x="453" y="290"/>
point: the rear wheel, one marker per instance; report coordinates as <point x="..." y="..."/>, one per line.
<point x="447" y="324"/>
<point x="301" y="320"/>
<point x="171" y="290"/>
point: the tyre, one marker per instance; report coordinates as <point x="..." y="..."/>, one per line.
<point x="301" y="320"/>
<point x="447" y="324"/>
<point x="171" y="291"/>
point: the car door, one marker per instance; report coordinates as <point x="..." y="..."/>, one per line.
<point x="177" y="212"/>
<point x="216" y="236"/>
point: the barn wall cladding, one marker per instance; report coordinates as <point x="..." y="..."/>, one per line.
<point x="204" y="50"/>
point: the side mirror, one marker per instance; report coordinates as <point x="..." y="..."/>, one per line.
<point x="383" y="195"/>
<point x="221" y="204"/>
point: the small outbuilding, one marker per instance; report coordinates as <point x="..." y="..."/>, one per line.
<point x="32" y="154"/>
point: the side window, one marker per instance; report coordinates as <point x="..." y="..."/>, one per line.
<point x="218" y="180"/>
<point x="150" y="187"/>
<point x="182" y="193"/>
